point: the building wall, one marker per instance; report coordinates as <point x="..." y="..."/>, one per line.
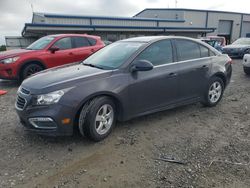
<point x="200" y="18"/>
<point x="162" y="14"/>
<point x="214" y="18"/>
<point x="143" y="24"/>
<point x="18" y="42"/>
<point x="245" y="25"/>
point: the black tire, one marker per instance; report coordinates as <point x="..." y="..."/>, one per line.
<point x="246" y="70"/>
<point x="87" y="119"/>
<point x="29" y="70"/>
<point x="207" y="98"/>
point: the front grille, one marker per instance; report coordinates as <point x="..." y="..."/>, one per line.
<point x="25" y="91"/>
<point x="20" y="102"/>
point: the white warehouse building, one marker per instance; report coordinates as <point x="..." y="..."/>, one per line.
<point x="185" y="22"/>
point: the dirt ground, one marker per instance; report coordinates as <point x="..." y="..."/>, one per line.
<point x="212" y="143"/>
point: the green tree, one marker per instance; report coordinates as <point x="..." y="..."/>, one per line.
<point x="2" y="48"/>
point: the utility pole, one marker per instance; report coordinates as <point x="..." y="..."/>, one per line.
<point x="32" y="8"/>
<point x="31" y="5"/>
<point x="176" y="3"/>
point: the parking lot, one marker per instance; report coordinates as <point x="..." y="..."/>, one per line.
<point x="211" y="144"/>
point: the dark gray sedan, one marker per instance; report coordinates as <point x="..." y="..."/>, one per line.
<point x="238" y="48"/>
<point x="126" y="79"/>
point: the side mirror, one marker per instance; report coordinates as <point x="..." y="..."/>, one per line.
<point x="142" y="65"/>
<point x="53" y="49"/>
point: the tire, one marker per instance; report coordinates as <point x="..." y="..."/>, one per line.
<point x="214" y="92"/>
<point x="246" y="70"/>
<point x="30" y="69"/>
<point x="97" y="118"/>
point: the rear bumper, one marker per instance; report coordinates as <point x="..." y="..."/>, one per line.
<point x="228" y="73"/>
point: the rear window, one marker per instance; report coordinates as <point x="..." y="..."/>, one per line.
<point x="187" y="50"/>
<point x="80" y="42"/>
<point x="204" y="51"/>
<point x="92" y="41"/>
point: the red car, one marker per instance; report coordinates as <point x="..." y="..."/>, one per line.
<point x="47" y="52"/>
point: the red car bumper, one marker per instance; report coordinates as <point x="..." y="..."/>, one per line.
<point x="8" y="72"/>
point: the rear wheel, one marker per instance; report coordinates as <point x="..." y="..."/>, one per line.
<point x="30" y="69"/>
<point x="214" y="92"/>
<point x="97" y="118"/>
<point x="246" y="70"/>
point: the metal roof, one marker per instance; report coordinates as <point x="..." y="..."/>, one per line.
<point x="194" y="10"/>
<point x="49" y="15"/>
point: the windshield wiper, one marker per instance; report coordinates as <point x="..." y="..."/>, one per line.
<point x="92" y="65"/>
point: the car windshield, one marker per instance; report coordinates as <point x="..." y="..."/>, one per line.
<point x="113" y="55"/>
<point x="243" y="41"/>
<point x="41" y="43"/>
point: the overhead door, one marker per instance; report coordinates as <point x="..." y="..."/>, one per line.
<point x="245" y="29"/>
<point x="225" y="27"/>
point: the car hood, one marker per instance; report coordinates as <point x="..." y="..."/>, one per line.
<point x="62" y="77"/>
<point x="236" y="46"/>
<point x="12" y="53"/>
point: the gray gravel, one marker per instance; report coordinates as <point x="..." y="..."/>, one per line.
<point x="213" y="142"/>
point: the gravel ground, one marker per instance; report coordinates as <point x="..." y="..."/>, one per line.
<point x="212" y="145"/>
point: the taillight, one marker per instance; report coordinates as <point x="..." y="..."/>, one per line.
<point x="230" y="61"/>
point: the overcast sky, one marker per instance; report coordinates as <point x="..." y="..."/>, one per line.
<point x="14" y="13"/>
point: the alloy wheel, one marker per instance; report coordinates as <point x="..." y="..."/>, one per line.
<point x="104" y="119"/>
<point x="215" y="92"/>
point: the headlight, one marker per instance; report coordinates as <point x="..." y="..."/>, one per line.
<point x="50" y="98"/>
<point x="9" y="60"/>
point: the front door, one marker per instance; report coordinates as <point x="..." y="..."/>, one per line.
<point x="154" y="89"/>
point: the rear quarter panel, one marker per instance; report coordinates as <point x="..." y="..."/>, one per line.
<point x="221" y="66"/>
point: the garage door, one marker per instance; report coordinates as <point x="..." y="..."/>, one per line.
<point x="225" y="27"/>
<point x="245" y="29"/>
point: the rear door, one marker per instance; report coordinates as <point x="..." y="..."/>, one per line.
<point x="63" y="56"/>
<point x="82" y="48"/>
<point x="195" y="63"/>
<point x="150" y="90"/>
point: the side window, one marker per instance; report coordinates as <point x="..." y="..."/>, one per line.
<point x="211" y="53"/>
<point x="187" y="50"/>
<point x="204" y="51"/>
<point x="80" y="42"/>
<point x="64" y="43"/>
<point x="91" y="41"/>
<point x="158" y="53"/>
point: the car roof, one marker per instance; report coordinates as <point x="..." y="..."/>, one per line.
<point x="74" y="35"/>
<point x="149" y="39"/>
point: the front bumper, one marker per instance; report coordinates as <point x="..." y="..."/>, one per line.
<point x="54" y="126"/>
<point x="7" y="72"/>
<point x="246" y="62"/>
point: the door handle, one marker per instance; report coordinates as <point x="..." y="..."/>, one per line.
<point x="71" y="53"/>
<point x="92" y="50"/>
<point x="172" y="74"/>
<point x="202" y="67"/>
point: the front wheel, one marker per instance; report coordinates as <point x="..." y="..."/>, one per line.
<point x="214" y="92"/>
<point x="30" y="69"/>
<point x="246" y="70"/>
<point x="97" y="119"/>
